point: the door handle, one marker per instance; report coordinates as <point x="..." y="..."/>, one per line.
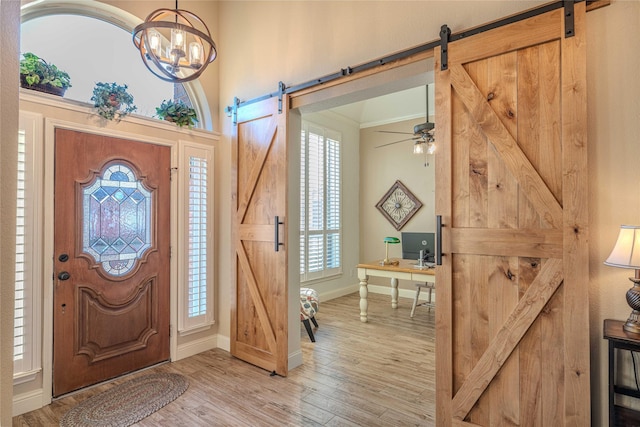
<point x="277" y="224"/>
<point x="438" y="239"/>
<point x="64" y="275"/>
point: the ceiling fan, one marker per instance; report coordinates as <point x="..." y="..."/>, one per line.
<point x="423" y="134"/>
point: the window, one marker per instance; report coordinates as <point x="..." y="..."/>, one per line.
<point x="196" y="293"/>
<point x="45" y="32"/>
<point x="320" y="203"/>
<point x="26" y="348"/>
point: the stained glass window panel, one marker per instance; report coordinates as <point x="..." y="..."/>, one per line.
<point x="117" y="220"/>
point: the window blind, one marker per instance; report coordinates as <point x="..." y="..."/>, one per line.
<point x="320" y="203"/>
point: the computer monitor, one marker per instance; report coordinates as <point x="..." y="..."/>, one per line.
<point x="413" y="243"/>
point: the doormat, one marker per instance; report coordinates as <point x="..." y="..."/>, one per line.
<point x="127" y="403"/>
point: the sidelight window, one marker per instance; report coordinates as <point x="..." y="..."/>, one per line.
<point x="26" y="334"/>
<point x="196" y="222"/>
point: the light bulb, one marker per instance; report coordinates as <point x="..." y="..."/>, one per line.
<point x="154" y="43"/>
<point x="418" y="148"/>
<point x="431" y="148"/>
<point x="195" y="54"/>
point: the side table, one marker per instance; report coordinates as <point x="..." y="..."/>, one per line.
<point x="621" y="340"/>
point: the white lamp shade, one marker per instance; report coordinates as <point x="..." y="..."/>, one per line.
<point x="626" y="252"/>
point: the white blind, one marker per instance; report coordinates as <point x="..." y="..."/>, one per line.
<point x="27" y="359"/>
<point x="195" y="218"/>
<point x="19" y="315"/>
<point x="197" y="266"/>
<point x="320" y="203"/>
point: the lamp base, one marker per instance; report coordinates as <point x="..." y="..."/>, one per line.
<point x="633" y="323"/>
<point x="633" y="299"/>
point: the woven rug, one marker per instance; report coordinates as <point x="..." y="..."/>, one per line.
<point x="127" y="403"/>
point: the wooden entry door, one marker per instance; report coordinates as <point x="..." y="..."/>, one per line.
<point x="259" y="296"/>
<point x="512" y="326"/>
<point x="111" y="261"/>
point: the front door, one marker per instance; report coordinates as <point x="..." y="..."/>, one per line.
<point x="512" y="325"/>
<point x="111" y="261"/>
<point x="259" y="194"/>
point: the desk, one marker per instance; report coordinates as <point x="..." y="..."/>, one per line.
<point x="405" y="270"/>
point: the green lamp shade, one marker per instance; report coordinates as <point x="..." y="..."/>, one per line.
<point x="391" y="240"/>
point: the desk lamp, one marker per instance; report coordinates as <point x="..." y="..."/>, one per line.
<point x="387" y="240"/>
<point x="626" y="254"/>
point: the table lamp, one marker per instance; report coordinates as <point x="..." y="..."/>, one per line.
<point x="626" y="254"/>
<point x="387" y="240"/>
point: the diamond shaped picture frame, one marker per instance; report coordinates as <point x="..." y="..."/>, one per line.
<point x="398" y="205"/>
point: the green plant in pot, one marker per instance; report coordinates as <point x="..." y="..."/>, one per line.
<point x="112" y="101"/>
<point x="38" y="74"/>
<point x="177" y="112"/>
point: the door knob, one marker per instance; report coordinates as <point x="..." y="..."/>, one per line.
<point x="64" y="275"/>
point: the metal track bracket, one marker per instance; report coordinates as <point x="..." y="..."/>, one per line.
<point x="568" y="19"/>
<point x="445" y="32"/>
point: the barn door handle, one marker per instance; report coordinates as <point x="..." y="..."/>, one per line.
<point x="438" y="239"/>
<point x="277" y="224"/>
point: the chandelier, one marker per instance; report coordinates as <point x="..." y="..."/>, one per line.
<point x="175" y="45"/>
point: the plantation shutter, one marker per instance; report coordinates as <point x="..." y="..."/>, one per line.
<point x="320" y="212"/>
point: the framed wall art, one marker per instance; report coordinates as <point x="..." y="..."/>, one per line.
<point x="398" y="205"/>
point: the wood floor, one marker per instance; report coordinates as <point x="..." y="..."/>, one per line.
<point x="381" y="373"/>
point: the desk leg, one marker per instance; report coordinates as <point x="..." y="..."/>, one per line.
<point x="394" y="292"/>
<point x="364" y="304"/>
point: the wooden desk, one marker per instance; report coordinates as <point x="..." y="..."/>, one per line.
<point x="405" y="270"/>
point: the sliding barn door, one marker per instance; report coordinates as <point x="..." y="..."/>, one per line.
<point x="259" y="298"/>
<point x="512" y="321"/>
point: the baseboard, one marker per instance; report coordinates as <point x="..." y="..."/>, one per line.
<point x="26" y="402"/>
<point x="198" y="346"/>
<point x="224" y="342"/>
<point x="295" y="359"/>
<point x="336" y="293"/>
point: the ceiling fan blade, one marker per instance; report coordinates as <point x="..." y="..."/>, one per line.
<point x="396" y="142"/>
<point x="390" y="131"/>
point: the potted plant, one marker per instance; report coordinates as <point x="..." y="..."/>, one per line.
<point x="38" y="74"/>
<point x="177" y="112"/>
<point x="112" y="101"/>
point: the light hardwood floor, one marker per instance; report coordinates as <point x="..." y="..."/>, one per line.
<point x="381" y="373"/>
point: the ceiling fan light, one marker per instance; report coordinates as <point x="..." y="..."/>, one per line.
<point x="418" y="148"/>
<point x="431" y="148"/>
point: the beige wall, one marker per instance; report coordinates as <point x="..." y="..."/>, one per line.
<point x="262" y="43"/>
<point x="614" y="146"/>
<point x="379" y="169"/>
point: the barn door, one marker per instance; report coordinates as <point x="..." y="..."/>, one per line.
<point x="259" y="298"/>
<point x="512" y="321"/>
